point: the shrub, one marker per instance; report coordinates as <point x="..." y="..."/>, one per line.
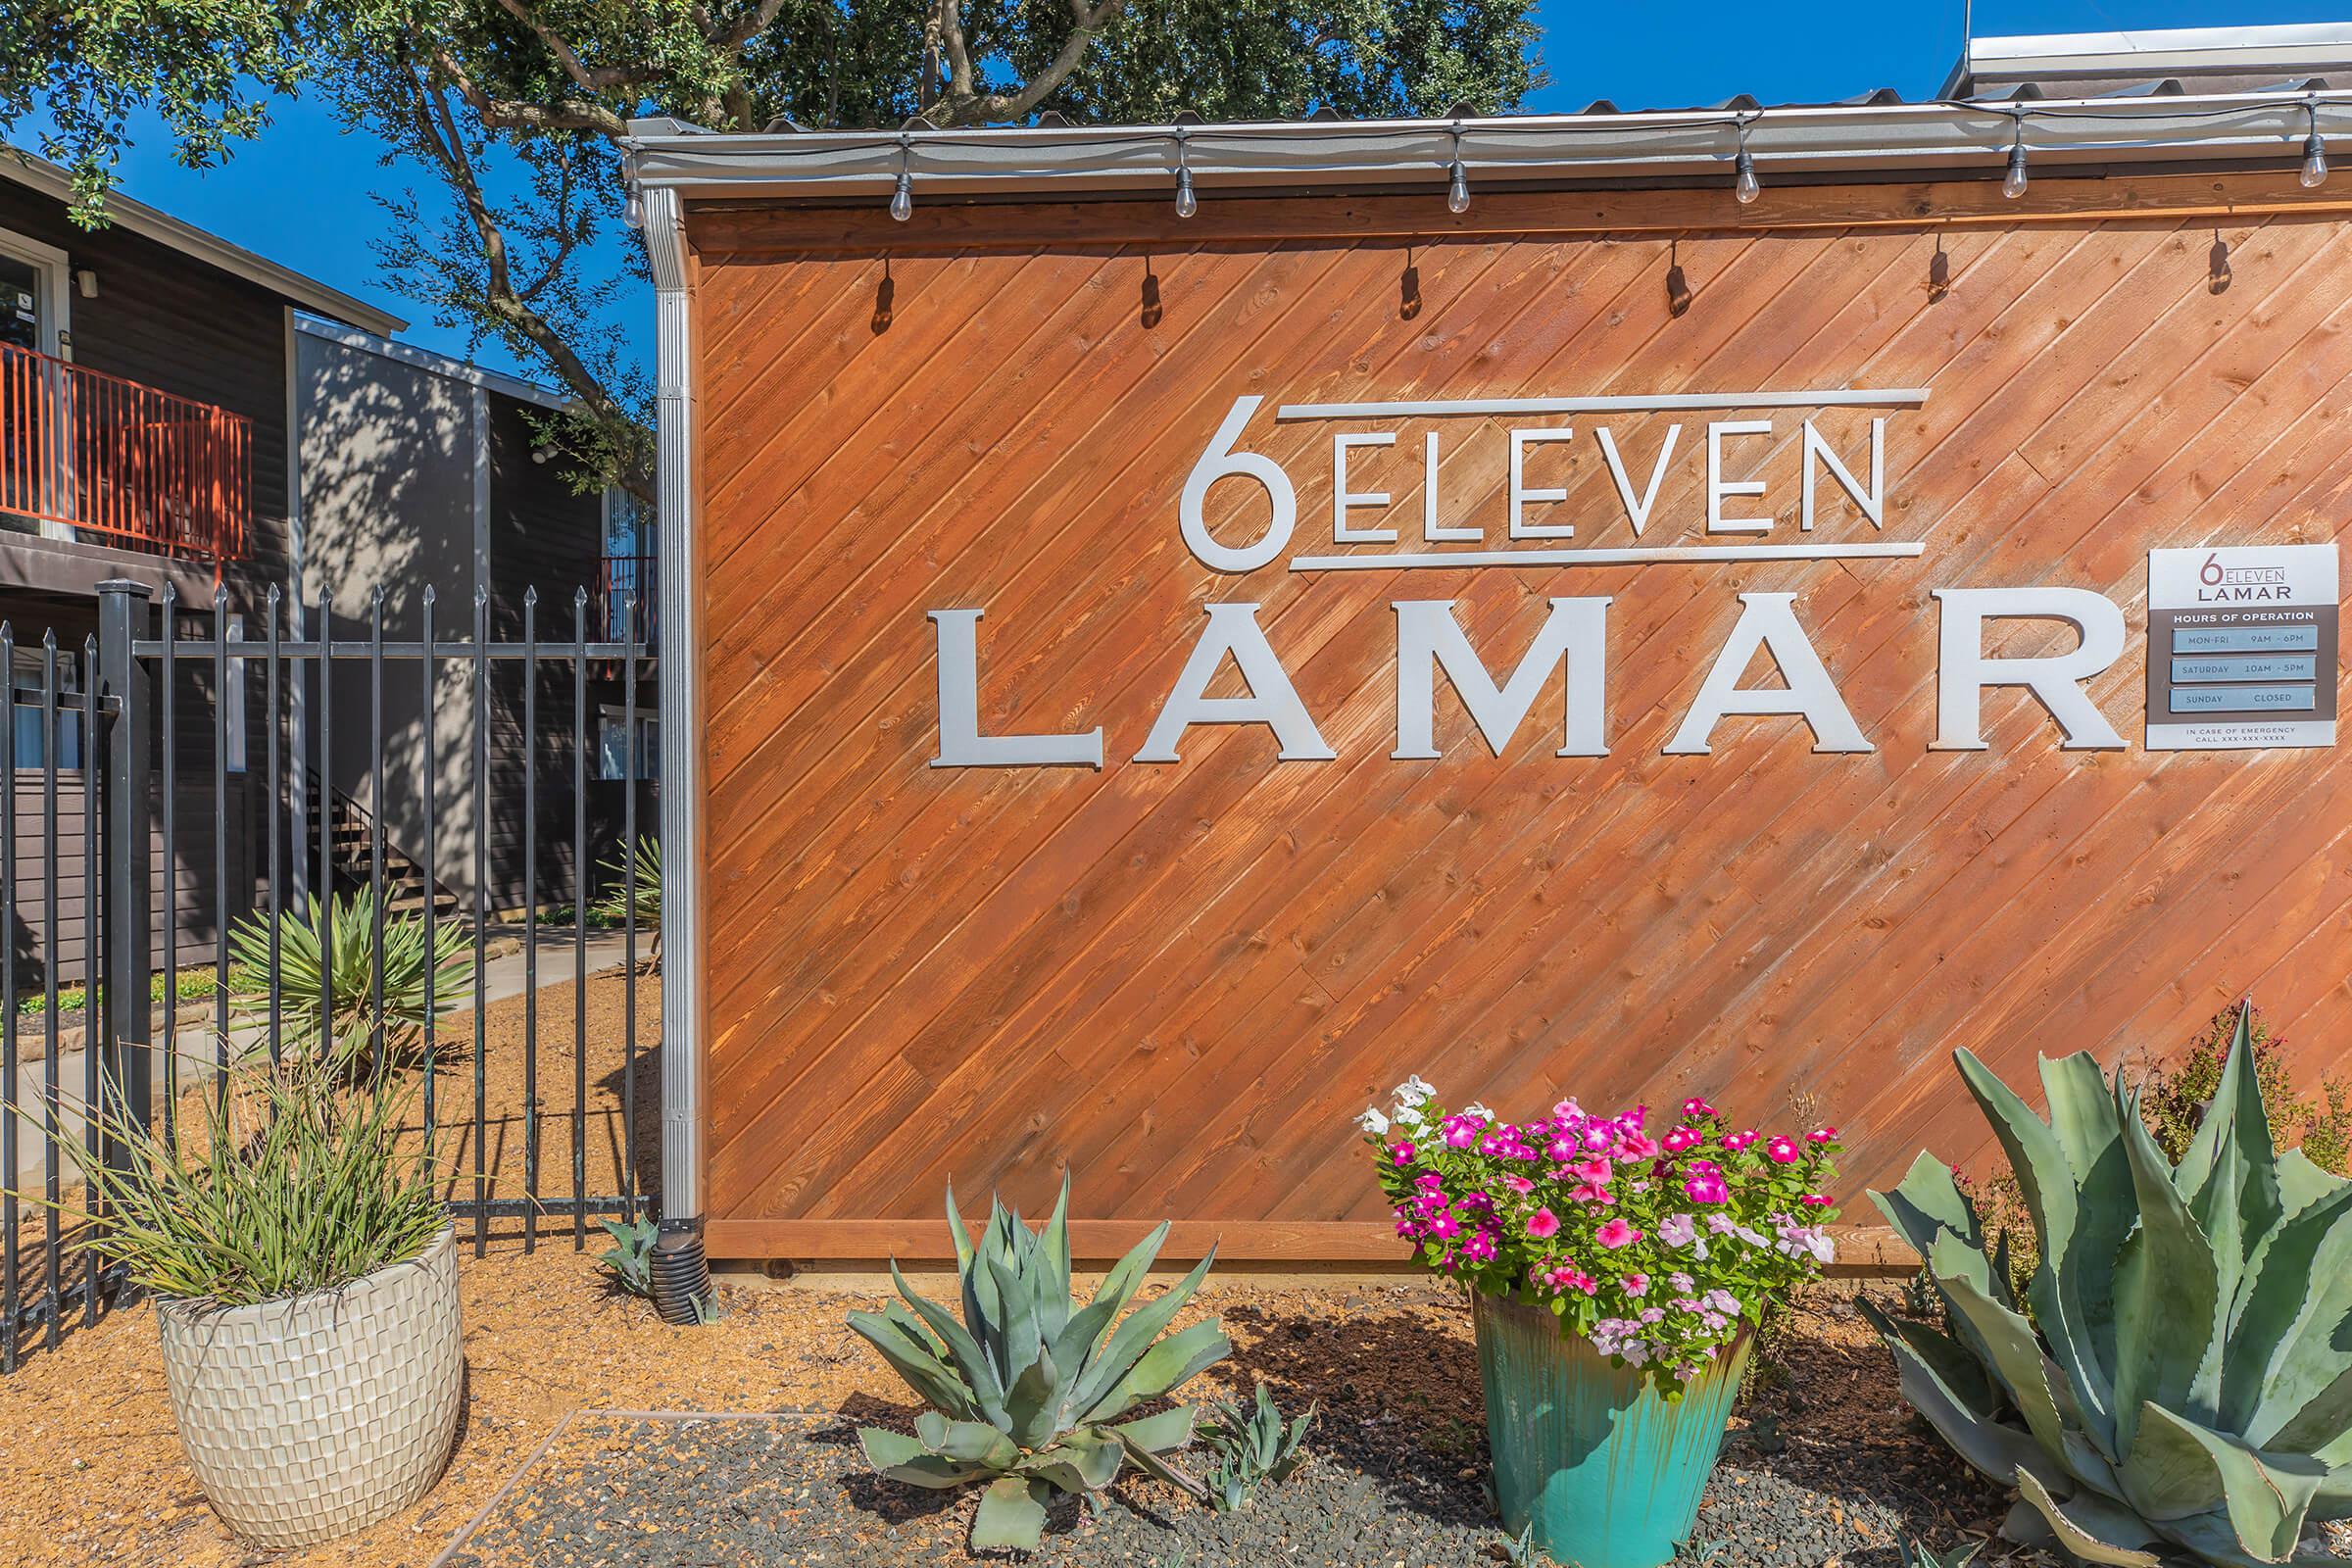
<point x="1661" y="1250"/>
<point x="301" y="1185"/>
<point x="351" y="970"/>
<point x="1027" y="1390"/>
<point x="2185" y="1380"/>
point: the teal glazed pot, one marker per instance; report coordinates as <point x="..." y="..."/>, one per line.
<point x="1607" y="1471"/>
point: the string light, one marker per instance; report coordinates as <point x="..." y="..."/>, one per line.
<point x="2013" y="184"/>
<point x="2314" y="174"/>
<point x="902" y="200"/>
<point x="1746" y="187"/>
<point x="1187" y="203"/>
<point x="1457" y="185"/>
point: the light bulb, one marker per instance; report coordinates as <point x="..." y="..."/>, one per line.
<point x="1747" y="188"/>
<point x="2013" y="184"/>
<point x="902" y="200"/>
<point x="1458" y="189"/>
<point x="2314" y="174"/>
<point x="634" y="214"/>
<point x="1187" y="204"/>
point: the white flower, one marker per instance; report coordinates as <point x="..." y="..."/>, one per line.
<point x="1412" y="1092"/>
<point x="1373" y="1122"/>
<point x="1474" y="1108"/>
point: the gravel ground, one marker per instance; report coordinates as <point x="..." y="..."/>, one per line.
<point x="1819" y="1470"/>
<point x="634" y="1493"/>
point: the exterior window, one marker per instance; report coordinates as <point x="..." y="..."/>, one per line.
<point x="612" y="744"/>
<point x="26" y="717"/>
<point x="33" y="294"/>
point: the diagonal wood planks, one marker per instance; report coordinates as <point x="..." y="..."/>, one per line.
<point x="1183" y="980"/>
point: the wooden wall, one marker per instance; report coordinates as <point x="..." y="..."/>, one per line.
<point x="1184" y="980"/>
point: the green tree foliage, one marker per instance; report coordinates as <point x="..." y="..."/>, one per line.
<point x="514" y="110"/>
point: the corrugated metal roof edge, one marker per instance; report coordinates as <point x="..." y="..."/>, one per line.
<point x="1872" y="135"/>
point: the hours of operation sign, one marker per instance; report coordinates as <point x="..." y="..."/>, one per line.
<point x="2241" y="646"/>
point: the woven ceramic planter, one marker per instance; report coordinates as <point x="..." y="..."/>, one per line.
<point x="1607" y="1471"/>
<point x="311" y="1417"/>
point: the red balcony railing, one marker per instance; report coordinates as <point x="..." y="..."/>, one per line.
<point x="99" y="458"/>
<point x="623" y="581"/>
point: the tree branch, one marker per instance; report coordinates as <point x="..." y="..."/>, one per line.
<point x="601" y="78"/>
<point x="961" y="106"/>
<point x="439" y="134"/>
<point x="506" y="114"/>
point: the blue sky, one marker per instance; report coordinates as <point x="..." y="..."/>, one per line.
<point x="300" y="194"/>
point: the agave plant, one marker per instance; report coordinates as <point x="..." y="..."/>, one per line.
<point x="1253" y="1446"/>
<point x="1027" y="1390"/>
<point x="345" y="978"/>
<point x="2185" y="1381"/>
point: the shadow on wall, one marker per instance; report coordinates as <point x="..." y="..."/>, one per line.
<point x="389" y="500"/>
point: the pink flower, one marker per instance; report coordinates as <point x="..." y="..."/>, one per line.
<point x="1822" y="1135"/>
<point x="1735" y="1142"/>
<point x="1574" y="1279"/>
<point x="1615" y="1234"/>
<point x="1816" y="1199"/>
<point x="1706" y="1187"/>
<point x="1636" y="1147"/>
<point x="1543" y="1223"/>
<point x="1444" y="1227"/>
<point x="1682" y="1138"/>
<point x="1519" y="1184"/>
<point x="1783" y="1150"/>
<point x="1695" y="1107"/>
<point x="1636" y="1285"/>
<point x="1401" y="1154"/>
<point x="1595" y="1171"/>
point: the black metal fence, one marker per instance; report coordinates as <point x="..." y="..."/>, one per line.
<point x="185" y="792"/>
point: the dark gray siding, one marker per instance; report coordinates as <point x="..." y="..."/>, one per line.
<point x="179" y="325"/>
<point x="543" y="536"/>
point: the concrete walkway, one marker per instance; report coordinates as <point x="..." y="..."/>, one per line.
<point x="503" y="976"/>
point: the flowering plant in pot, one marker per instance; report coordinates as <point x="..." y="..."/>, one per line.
<point x="306" y="1283"/>
<point x="1618" y="1271"/>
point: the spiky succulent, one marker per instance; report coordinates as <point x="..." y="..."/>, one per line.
<point x="1027" y="1389"/>
<point x="2184" y="1383"/>
<point x="1253" y="1446"/>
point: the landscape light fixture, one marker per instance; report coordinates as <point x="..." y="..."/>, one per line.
<point x="2314" y="174"/>
<point x="1187" y="204"/>
<point x="1746" y="187"/>
<point x="1458" y="184"/>
<point x="902" y="200"/>
<point x="2013" y="184"/>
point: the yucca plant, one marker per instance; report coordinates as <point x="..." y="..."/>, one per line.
<point x="2185" y="1382"/>
<point x="1252" y="1448"/>
<point x="1027" y="1390"/>
<point x="297" y="1184"/>
<point x="350" y="968"/>
<point x="638" y="888"/>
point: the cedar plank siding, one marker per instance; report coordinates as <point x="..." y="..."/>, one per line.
<point x="1181" y="982"/>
